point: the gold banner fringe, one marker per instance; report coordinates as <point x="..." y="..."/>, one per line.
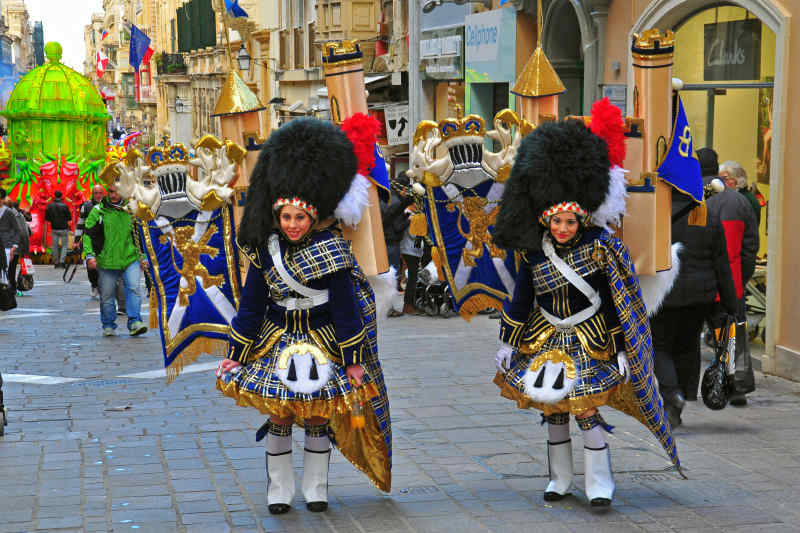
<point x="153" y="309"/>
<point x="419" y="225"/>
<point x="198" y="347"/>
<point x="436" y="257"/>
<point x="698" y="216"/>
<point x="477" y="303"/>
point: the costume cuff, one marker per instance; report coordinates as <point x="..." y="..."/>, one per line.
<point x="238" y="346"/>
<point x="616" y="340"/>
<point x="352" y="348"/>
<point x="511" y="330"/>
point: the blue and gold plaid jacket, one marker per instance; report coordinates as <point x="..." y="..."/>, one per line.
<point x="325" y="261"/>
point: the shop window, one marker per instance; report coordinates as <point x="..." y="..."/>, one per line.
<point x="726" y="58"/>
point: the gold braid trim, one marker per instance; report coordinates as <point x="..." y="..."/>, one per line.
<point x="622" y="398"/>
<point x="198" y="347"/>
<point x="474" y="304"/>
<point x="321" y="408"/>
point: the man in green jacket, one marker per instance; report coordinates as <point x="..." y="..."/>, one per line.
<point x="118" y="258"/>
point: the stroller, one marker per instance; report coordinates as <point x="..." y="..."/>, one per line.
<point x="433" y="295"/>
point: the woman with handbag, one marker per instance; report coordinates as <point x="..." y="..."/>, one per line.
<point x="303" y="344"/>
<point x="575" y="335"/>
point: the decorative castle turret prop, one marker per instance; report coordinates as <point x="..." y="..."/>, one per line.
<point x="56" y="140"/>
<point x="239" y="111"/>
<point x="538" y="85"/>
<point x="344" y="77"/>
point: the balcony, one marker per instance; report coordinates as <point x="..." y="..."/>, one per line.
<point x="171" y="64"/>
<point x="147" y="94"/>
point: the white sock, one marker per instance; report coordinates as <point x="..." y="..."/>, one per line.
<point x="317" y="438"/>
<point x="594" y="438"/>
<point x="557" y="433"/>
<point x="279" y="439"/>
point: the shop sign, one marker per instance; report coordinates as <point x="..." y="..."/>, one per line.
<point x="617" y="95"/>
<point x="732" y="50"/>
<point x="441" y="54"/>
<point x="397" y="127"/>
<point x="490" y="46"/>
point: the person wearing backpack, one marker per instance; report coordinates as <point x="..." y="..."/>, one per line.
<point x="109" y="247"/>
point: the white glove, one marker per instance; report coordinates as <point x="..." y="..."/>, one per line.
<point x="624" y="369"/>
<point x="503" y="358"/>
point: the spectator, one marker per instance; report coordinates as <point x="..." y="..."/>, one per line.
<point x="98" y="193"/>
<point x="24" y="239"/>
<point x="704" y="272"/>
<point x="741" y="234"/>
<point x="735" y="178"/>
<point x="116" y="258"/>
<point x="59" y="217"/>
<point x="11" y="238"/>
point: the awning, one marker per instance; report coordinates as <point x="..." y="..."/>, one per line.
<point x="373" y="79"/>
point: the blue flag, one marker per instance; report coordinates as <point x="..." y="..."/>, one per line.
<point x="380" y="177"/>
<point x="139" y="48"/>
<point x="680" y="167"/>
<point x="233" y="7"/>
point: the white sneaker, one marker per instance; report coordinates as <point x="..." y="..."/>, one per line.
<point x="94" y="293"/>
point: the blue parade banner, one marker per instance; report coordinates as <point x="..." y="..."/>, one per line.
<point x="380" y="176"/>
<point x="680" y="167"/>
<point x="194" y="267"/>
<point x="479" y="274"/>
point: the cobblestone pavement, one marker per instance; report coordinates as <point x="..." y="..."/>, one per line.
<point x="107" y="453"/>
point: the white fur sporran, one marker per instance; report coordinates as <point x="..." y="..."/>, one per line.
<point x="303" y="368"/>
<point x="550" y="377"/>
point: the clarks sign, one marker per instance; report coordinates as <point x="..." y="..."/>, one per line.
<point x="732" y="50"/>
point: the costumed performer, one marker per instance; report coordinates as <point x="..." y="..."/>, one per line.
<point x="303" y="344"/>
<point x="575" y="335"/>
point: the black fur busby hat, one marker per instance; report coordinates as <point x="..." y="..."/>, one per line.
<point x="308" y="159"/>
<point x="558" y="162"/>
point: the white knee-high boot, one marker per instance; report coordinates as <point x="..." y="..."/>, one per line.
<point x="597" y="461"/>
<point x="280" y="474"/>
<point x="559" y="457"/>
<point x="316" y="460"/>
<point x="599" y="479"/>
<point x="559" y="460"/>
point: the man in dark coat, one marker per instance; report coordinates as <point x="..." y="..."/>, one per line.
<point x="741" y="234"/>
<point x="59" y="217"/>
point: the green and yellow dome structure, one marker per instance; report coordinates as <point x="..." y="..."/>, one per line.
<point x="56" y="137"/>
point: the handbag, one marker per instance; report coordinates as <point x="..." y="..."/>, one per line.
<point x="717" y="384"/>
<point x="25" y="277"/>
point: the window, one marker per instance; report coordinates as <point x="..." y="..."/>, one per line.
<point x="197" y="25"/>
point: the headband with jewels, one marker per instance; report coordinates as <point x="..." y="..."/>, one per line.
<point x="564" y="207"/>
<point x="298" y="203"/>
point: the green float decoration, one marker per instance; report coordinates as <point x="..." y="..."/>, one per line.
<point x="56" y="139"/>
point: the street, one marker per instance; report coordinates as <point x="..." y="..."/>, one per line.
<point x="97" y="441"/>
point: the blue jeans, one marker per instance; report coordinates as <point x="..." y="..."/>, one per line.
<point x="107" y="280"/>
<point x="60" y="245"/>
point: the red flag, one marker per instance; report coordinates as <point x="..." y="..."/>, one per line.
<point x="102" y="63"/>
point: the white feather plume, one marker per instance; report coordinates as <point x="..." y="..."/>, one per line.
<point x="352" y="206"/>
<point x="656" y="288"/>
<point x="609" y="214"/>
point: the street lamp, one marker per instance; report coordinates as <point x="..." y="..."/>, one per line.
<point x="243" y="58"/>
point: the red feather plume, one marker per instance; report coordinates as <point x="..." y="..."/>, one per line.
<point x="362" y="130"/>
<point x="607" y="124"/>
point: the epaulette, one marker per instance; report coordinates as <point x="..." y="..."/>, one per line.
<point x="251" y="253"/>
